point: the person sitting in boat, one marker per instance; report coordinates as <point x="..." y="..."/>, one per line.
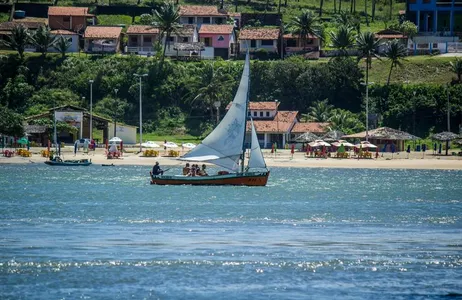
<point x="192" y="172"/>
<point x="186" y="169"/>
<point x="203" y="172"/>
<point x="156" y="170"/>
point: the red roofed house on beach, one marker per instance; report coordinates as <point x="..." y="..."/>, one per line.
<point x="102" y="39"/>
<point x="70" y="18"/>
<point x="259" y="38"/>
<point x="217" y="40"/>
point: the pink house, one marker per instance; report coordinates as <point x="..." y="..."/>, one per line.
<point x="217" y="40"/>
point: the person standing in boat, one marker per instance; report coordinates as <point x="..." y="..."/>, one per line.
<point x="156" y="170"/>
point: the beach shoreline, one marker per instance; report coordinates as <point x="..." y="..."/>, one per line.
<point x="282" y="158"/>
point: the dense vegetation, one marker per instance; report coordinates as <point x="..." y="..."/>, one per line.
<point x="178" y="97"/>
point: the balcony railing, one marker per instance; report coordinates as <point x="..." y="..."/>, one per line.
<point x="301" y="49"/>
<point x="137" y="49"/>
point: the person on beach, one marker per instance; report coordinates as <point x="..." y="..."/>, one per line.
<point x="156" y="170"/>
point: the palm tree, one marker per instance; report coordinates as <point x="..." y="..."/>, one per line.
<point x="319" y="112"/>
<point x="18" y="39"/>
<point x="166" y="18"/>
<point x="62" y="45"/>
<point x="456" y="67"/>
<point x="321" y="4"/>
<point x="367" y="45"/>
<point x="395" y="52"/>
<point x="342" y="39"/>
<point x="304" y="25"/>
<point x="43" y="39"/>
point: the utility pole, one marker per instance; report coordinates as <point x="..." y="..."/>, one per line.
<point x="115" y="112"/>
<point x="91" y="109"/>
<point x="140" y="76"/>
<point x="449" y="113"/>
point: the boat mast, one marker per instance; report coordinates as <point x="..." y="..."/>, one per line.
<point x="246" y="110"/>
<point x="54" y="130"/>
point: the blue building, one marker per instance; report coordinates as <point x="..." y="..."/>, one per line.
<point x="436" y="17"/>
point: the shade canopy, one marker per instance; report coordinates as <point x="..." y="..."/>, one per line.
<point x="332" y="135"/>
<point x="445" y="136"/>
<point x="189" y="145"/>
<point x="319" y="143"/>
<point x="384" y="133"/>
<point x="342" y="142"/>
<point x="115" y="140"/>
<point x="365" y="144"/>
<point x="22" y="140"/>
<point x="306" y="137"/>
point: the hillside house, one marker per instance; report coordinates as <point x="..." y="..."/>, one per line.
<point x="293" y="44"/>
<point x="141" y="39"/>
<point x="102" y="39"/>
<point x="202" y="14"/>
<point x="217" y="40"/>
<point x="70" y="18"/>
<point x="255" y="39"/>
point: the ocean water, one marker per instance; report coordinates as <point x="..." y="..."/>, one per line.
<point x="105" y="233"/>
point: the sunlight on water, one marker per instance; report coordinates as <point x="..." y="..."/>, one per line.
<point x="105" y="233"/>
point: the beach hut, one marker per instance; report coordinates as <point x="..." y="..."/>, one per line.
<point x="383" y="136"/>
<point x="333" y="135"/>
<point x="445" y="136"/>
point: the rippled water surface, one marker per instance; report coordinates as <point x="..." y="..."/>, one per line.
<point x="105" y="233"/>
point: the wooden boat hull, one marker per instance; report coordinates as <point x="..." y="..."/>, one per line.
<point x="64" y="163"/>
<point x="246" y="179"/>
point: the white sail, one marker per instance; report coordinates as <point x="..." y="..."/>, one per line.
<point x="256" y="159"/>
<point x="223" y="146"/>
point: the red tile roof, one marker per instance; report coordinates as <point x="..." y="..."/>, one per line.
<point x="63" y="32"/>
<point x="103" y="32"/>
<point x="201" y="10"/>
<point x="142" y="29"/>
<point x="314" y="127"/>
<point x="268" y="105"/>
<point x="259" y="34"/>
<point x="68" y="11"/>
<point x="294" y="36"/>
<point x="217" y="29"/>
<point x="281" y="123"/>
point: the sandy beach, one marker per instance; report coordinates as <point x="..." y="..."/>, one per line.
<point x="283" y="158"/>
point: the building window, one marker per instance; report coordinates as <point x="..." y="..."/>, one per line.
<point x="184" y="39"/>
<point x="221" y="38"/>
<point x="249" y="113"/>
<point x="267" y="113"/>
<point x="133" y="40"/>
<point x="435" y="45"/>
<point x="66" y="19"/>
<point x="206" y="20"/>
<point x="254" y="113"/>
<point x="171" y="39"/>
<point x="291" y="43"/>
<point x="207" y="42"/>
<point x="261" y="114"/>
<point x="253" y="43"/>
<point x="147" y="39"/>
<point x="191" y="20"/>
<point x="267" y="42"/>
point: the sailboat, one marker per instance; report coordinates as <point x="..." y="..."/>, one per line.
<point x="225" y="147"/>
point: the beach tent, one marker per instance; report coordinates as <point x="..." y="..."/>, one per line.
<point x="319" y="143"/>
<point x="445" y="136"/>
<point x="115" y="140"/>
<point x="385" y="135"/>
<point x="366" y="145"/>
<point x="22" y="141"/>
<point x="306" y="137"/>
<point x="332" y="136"/>
<point x="342" y="142"/>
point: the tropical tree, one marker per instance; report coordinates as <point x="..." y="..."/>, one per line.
<point x="321" y="4"/>
<point x="304" y="25"/>
<point x="395" y="52"/>
<point x="342" y="39"/>
<point x="319" y="112"/>
<point x="456" y="67"/>
<point x="367" y="45"/>
<point x="166" y="17"/>
<point x="345" y="121"/>
<point x="43" y="39"/>
<point x="214" y="84"/>
<point x="62" y="45"/>
<point x="10" y="122"/>
<point x="18" y="39"/>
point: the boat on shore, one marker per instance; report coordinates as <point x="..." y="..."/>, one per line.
<point x="75" y="162"/>
<point x="225" y="147"/>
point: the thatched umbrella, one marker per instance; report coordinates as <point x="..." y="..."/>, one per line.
<point x="445" y="136"/>
<point x="306" y="137"/>
<point x="333" y="135"/>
